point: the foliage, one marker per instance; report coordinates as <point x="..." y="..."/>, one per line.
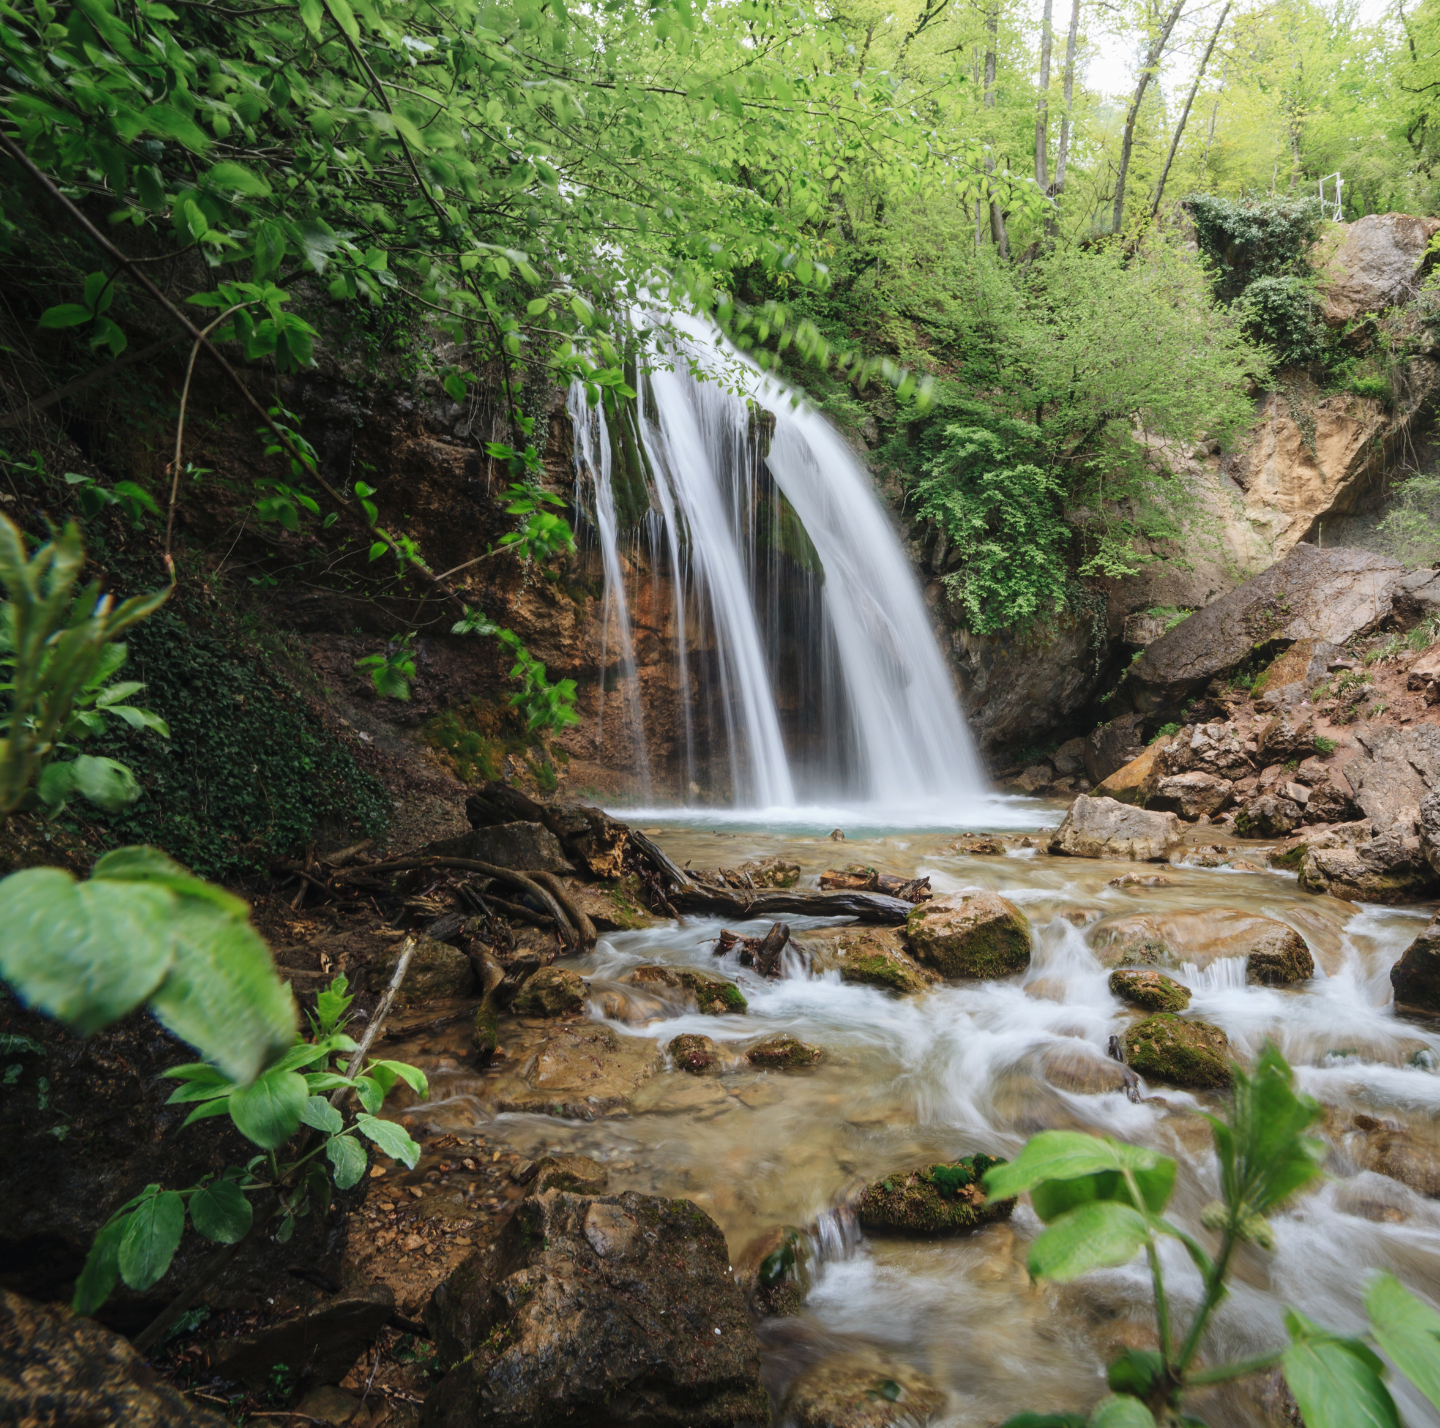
<point x="1249" y="239"/>
<point x="306" y="1086"/>
<point x="544" y="705"/>
<point x="59" y="656"/>
<point x="1324" y="746"/>
<point x="392" y="672"/>
<point x="1410" y="529"/>
<point x="1102" y="1202"/>
<point x="1282" y="313"/>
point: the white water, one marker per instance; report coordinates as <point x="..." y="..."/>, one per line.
<point x="885" y="715"/>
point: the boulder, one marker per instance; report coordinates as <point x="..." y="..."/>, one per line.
<point x="1428" y="827"/>
<point x="1423" y="676"/>
<point x="581" y="1072"/>
<point x="552" y="991"/>
<point x="526" y="847"/>
<point x="710" y="995"/>
<point x="1391" y="1150"/>
<point x="1279" y="958"/>
<point x="1268" y="816"/>
<point x="1137" y="780"/>
<point x="436" y="970"/>
<point x="1069" y="758"/>
<point x="1153" y="991"/>
<point x="1185" y="1053"/>
<point x="696" y="1054"/>
<point x="1111" y="746"/>
<point x="577" y="1174"/>
<point x="1303" y="663"/>
<point x="944" y="1199"/>
<point x="1085" y="1071"/>
<point x="1192" y="795"/>
<point x="1291" y="853"/>
<point x="975" y="935"/>
<point x="773" y="1271"/>
<point x="878" y="959"/>
<point x="1285" y="738"/>
<point x="1216" y="749"/>
<point x="1416" y="976"/>
<point x="1199" y="935"/>
<point x="783" y="1053"/>
<point x="1103" y="828"/>
<point x="59" y="1370"/>
<point x="1395" y="770"/>
<point x="1311" y="594"/>
<point x="1390" y="869"/>
<point x="1378" y="263"/>
<point x="863" y="1387"/>
<point x="600" y="1310"/>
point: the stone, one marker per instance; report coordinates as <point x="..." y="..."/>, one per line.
<point x="328" y="1404"/>
<point x="862" y="1388"/>
<point x="877" y="959"/>
<point x="597" y="1310"/>
<point x="1279" y="958"/>
<point x="1200" y="935"/>
<point x="944" y="1199"/>
<point x="59" y="1370"/>
<point x="1416" y="975"/>
<point x="1111" y="746"/>
<point x="1429" y="830"/>
<point x="1283" y="739"/>
<point x="1423" y="676"/>
<point x="1216" y="749"/>
<point x="679" y="1096"/>
<point x="1184" y="1053"/>
<point x="1394" y="771"/>
<point x="1377" y="263"/>
<point x="773" y="1271"/>
<point x="1303" y="663"/>
<point x="1035" y="778"/>
<point x="1291" y="853"/>
<point x="436" y="970"/>
<point x="710" y="995"/>
<point x="552" y="991"/>
<point x="1141" y="880"/>
<point x="1192" y="795"/>
<point x="1268" y="817"/>
<point x="575" y="1174"/>
<point x="1153" y="991"/>
<point x="783" y="1052"/>
<point x="1084" y="1071"/>
<point x="525" y="847"/>
<point x="1069" y="758"/>
<point x="854" y="877"/>
<point x="1328" y="595"/>
<point x="1389" y="869"/>
<point x="1136" y="781"/>
<point x="1103" y="828"/>
<point x="976" y="935"/>
<point x="581" y="1072"/>
<point x="1393" y="1151"/>
<point x="696" y="1054"/>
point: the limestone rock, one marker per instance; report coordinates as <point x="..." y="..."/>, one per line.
<point x="696" y="1054"/>
<point x="1429" y="829"/>
<point x="526" y="847"/>
<point x="1103" y="828"/>
<point x="1268" y="816"/>
<point x="581" y="1072"/>
<point x="552" y="991"/>
<point x="436" y="970"/>
<point x="1184" y="1053"/>
<point x="1069" y="758"/>
<point x="1279" y="958"/>
<point x="1416" y="976"/>
<point x="58" y="1370"/>
<point x="1304" y="663"/>
<point x="1191" y="795"/>
<point x="1199" y="935"/>
<point x="1423" y="676"/>
<point x="773" y="1271"/>
<point x="783" y="1053"/>
<point x="862" y="1388"/>
<point x="1394" y="771"/>
<point x="943" y="1199"/>
<point x="712" y="996"/>
<point x="976" y="935"/>
<point x="1216" y="749"/>
<point x="596" y="1310"/>
<point x="1390" y="1150"/>
<point x="1111" y="746"/>
<point x="1153" y="991"/>
<point x="1083" y="1070"/>
<point x="1291" y="853"/>
<point x="1377" y="264"/>
<point x="1390" y="869"/>
<point x="877" y="959"/>
<point x="1136" y="782"/>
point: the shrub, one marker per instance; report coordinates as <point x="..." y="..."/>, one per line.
<point x="1376" y="387"/>
<point x="1282" y="313"/>
<point x="1245" y="239"/>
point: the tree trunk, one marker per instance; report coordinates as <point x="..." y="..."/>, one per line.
<point x="1062" y="151"/>
<point x="998" y="235"/>
<point x="1152" y="61"/>
<point x="1042" y="106"/>
<point x="1185" y="113"/>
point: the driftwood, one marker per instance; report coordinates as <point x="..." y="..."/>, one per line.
<point x="857" y="878"/>
<point x="863" y="906"/>
<point x="762" y="953"/>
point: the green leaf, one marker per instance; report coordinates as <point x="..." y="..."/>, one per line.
<point x="268" y="1111"/>
<point x="67" y="314"/>
<point x="322" y="1116"/>
<point x="1097" y="1235"/>
<point x="312" y="13"/>
<point x="1063" y="1155"/>
<point x="222" y="1212"/>
<point x="152" y="1235"/>
<point x="347" y="1155"/>
<point x="107" y="783"/>
<point x="391" y="1138"/>
<point x="412" y="1076"/>
<point x="1120" y="1411"/>
<point x="102" y="1268"/>
<point x="1051" y="1198"/>
<point x="58" y="951"/>
<point x="236" y="178"/>
<point x="1335" y="1381"/>
<point x="1136" y="1371"/>
<point x="139" y="864"/>
<point x="1408" y="1330"/>
<point x="344" y="17"/>
<point x="139" y="718"/>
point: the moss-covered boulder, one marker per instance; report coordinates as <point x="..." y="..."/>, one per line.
<point x="696" y="1054"/>
<point x="712" y="996"/>
<point x="783" y="1053"/>
<point x="436" y="969"/>
<point x="1182" y="1052"/>
<point x="1279" y="958"/>
<point x="978" y="935"/>
<point x="1153" y="991"/>
<point x="945" y="1199"/>
<point x="552" y="991"/>
<point x="863" y="1387"/>
<point x="877" y="959"/>
<point x="773" y="1272"/>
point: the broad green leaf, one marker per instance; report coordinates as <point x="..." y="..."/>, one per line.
<point x="326" y="1081"/>
<point x="268" y="1111"/>
<point x="1051" y="1198"/>
<point x="61" y="938"/>
<point x="1335" y="1381"/>
<point x="67" y="314"/>
<point x="107" y="783"/>
<point x="321" y="1115"/>
<point x="237" y="178"/>
<point x="1408" y="1330"/>
<point x="139" y="718"/>
<point x="1120" y="1411"/>
<point x="102" y="1268"/>
<point x="216" y="1106"/>
<point x="1136" y="1372"/>
<point x="1063" y="1155"/>
<point x="222" y="1212"/>
<point x="347" y="1155"/>
<point x="1097" y="1235"/>
<point x="152" y="1235"/>
<point x="391" y="1138"/>
<point x="140" y="864"/>
<point x="344" y="17"/>
<point x="412" y="1076"/>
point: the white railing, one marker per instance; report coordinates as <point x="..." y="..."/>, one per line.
<point x="1333" y="209"/>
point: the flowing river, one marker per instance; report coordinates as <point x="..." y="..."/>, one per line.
<point x="981" y="1066"/>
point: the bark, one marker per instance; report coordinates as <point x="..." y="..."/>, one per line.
<point x="1062" y="151"/>
<point x="1152" y="61"/>
<point x="739" y="904"/>
<point x="998" y="235"/>
<point x="1042" y="106"/>
<point x="1185" y="113"/>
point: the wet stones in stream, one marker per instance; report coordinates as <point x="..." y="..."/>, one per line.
<point x="1203" y="936"/>
<point x="580" y="1072"/>
<point x="1388" y="1149"/>
<point x="783" y="1052"/>
<point x="1192" y="1054"/>
<point x="981" y="935"/>
<point x="710" y="995"/>
<point x="1152" y="991"/>
<point x="576" y="1173"/>
<point x="871" y="956"/>
<point x="552" y="991"/>
<point x="862" y="1388"/>
<point x="597" y="1310"/>
<point x="696" y="1054"/>
<point x="773" y="1272"/>
<point x="1104" y="828"/>
<point x="1416" y="976"/>
<point x="942" y="1199"/>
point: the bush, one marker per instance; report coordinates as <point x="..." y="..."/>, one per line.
<point x="1248" y="239"/>
<point x="1410" y="530"/>
<point x="1282" y="313"/>
<point x="1375" y="387"/>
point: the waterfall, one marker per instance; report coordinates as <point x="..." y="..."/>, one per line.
<point x="804" y="662"/>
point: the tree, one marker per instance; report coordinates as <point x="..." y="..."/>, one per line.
<point x="1148" y="68"/>
<point x="1189" y="104"/>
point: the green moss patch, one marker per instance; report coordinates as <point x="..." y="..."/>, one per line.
<point x="943" y="1199"/>
<point x="1184" y="1053"/>
<point x="1153" y="991"/>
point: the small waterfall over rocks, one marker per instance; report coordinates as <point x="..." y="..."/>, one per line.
<point x="806" y="668"/>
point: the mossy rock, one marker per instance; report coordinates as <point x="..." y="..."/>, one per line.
<point x="944" y="1199"/>
<point x="552" y="991"/>
<point x="1153" y="991"/>
<point x="1137" y="952"/>
<point x="783" y="1053"/>
<point x="713" y="996"/>
<point x="876" y="961"/>
<point x="773" y="1271"/>
<point x="981" y="935"/>
<point x="696" y="1054"/>
<point x="487" y="1032"/>
<point x="1184" y="1053"/>
<point x="1279" y="958"/>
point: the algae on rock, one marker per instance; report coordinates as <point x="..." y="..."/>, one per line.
<point x="1182" y="1052"/>
<point x="943" y="1199"/>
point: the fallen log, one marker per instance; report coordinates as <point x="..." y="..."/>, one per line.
<point x="738" y="903"/>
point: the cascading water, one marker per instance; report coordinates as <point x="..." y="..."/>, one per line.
<point x="803" y="654"/>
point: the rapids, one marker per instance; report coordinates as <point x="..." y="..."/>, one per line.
<point x="959" y="1069"/>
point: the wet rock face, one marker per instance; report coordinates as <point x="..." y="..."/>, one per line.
<point x="773" y="1272"/>
<point x="712" y="996"/>
<point x="783" y="1053"/>
<point x="1416" y="976"/>
<point x="1389" y="869"/>
<point x="600" y="1311"/>
<point x="576" y="1173"/>
<point x="1202" y="936"/>
<point x="57" y="1370"/>
<point x="1165" y="1047"/>
<point x="935" y="1200"/>
<point x="581" y="1072"/>
<point x="1153" y="991"/>
<point x="1109" y="747"/>
<point x="861" y="1389"/>
<point x="696" y="1054"/>
<point x="1279" y="958"/>
<point x="1393" y="1151"/>
<point x="1104" y="828"/>
<point x="878" y="959"/>
<point x="982" y="935"/>
<point x="552" y="991"/>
